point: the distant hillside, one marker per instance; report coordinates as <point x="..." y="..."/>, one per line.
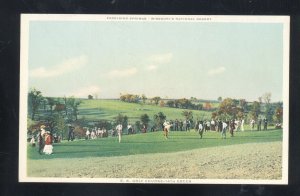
<point x="105" y="109"/>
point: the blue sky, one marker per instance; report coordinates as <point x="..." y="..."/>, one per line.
<point x="174" y="60"/>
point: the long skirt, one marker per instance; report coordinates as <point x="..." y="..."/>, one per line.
<point x="48" y="149"/>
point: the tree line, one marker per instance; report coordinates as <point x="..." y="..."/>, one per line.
<point x="57" y="113"/>
<point x="261" y="109"/>
<point x="182" y="103"/>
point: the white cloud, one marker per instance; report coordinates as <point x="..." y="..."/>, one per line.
<point x="161" y="58"/>
<point x="85" y="91"/>
<point x="216" y="71"/>
<point x="65" y="66"/>
<point x="151" y="67"/>
<point x="123" y="72"/>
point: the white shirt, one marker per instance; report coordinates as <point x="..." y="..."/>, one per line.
<point x="166" y="123"/>
<point x="119" y="128"/>
<point x="200" y="126"/>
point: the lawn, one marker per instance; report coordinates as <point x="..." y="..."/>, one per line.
<point x="152" y="143"/>
<point x="108" y="109"/>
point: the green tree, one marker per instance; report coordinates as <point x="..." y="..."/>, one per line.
<point x="255" y="111"/>
<point x="228" y="109"/>
<point x="243" y="104"/>
<point x="260" y="100"/>
<point x="130" y="98"/>
<point x="44" y="102"/>
<point x="138" y="126"/>
<point x="162" y="103"/>
<point x="61" y="127"/>
<point x="66" y="103"/>
<point x="193" y="99"/>
<point x="56" y="123"/>
<point x="269" y="110"/>
<point x="199" y="106"/>
<point x="187" y="114"/>
<point x="145" y="119"/>
<point x="122" y="119"/>
<point x="176" y="103"/>
<point x="51" y="102"/>
<point x="184" y="103"/>
<point x="35" y="98"/>
<point x="122" y="97"/>
<point x="144" y="98"/>
<point x="219" y="99"/>
<point x="104" y="124"/>
<point x="156" y="100"/>
<point x="73" y="104"/>
<point x="159" y="119"/>
<point x="170" y="103"/>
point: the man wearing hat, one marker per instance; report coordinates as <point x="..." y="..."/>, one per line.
<point x="41" y="138"/>
<point x="70" y="133"/>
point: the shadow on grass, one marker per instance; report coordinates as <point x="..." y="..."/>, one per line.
<point x="117" y="143"/>
<point x="150" y="142"/>
<point x="86" y="154"/>
<point x="198" y="137"/>
<point x="86" y="144"/>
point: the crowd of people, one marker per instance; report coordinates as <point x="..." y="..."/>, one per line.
<point x="259" y="124"/>
<point x="205" y="125"/>
<point x="45" y="138"/>
<point x="218" y="125"/>
<point x="95" y="133"/>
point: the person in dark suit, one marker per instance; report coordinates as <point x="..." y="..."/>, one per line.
<point x="181" y="125"/>
<point x="41" y="141"/>
<point x="176" y="125"/>
<point x="259" y="125"/>
<point x="71" y="133"/>
<point x="220" y="128"/>
<point x="265" y="124"/>
<point x="232" y="127"/>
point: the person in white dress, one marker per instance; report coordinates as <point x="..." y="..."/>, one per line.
<point x="242" y="124"/>
<point x="48" y="148"/>
<point x="252" y="122"/>
<point x="119" y="128"/>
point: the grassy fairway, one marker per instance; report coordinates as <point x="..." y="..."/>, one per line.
<point x="152" y="143"/>
<point x="108" y="109"/>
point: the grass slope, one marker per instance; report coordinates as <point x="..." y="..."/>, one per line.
<point x="108" y="109"/>
<point x="152" y="143"/>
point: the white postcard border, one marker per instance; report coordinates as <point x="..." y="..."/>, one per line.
<point x="25" y="20"/>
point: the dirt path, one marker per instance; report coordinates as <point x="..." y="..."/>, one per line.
<point x="245" y="161"/>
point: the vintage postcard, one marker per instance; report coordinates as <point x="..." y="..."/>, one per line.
<point x="154" y="99"/>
